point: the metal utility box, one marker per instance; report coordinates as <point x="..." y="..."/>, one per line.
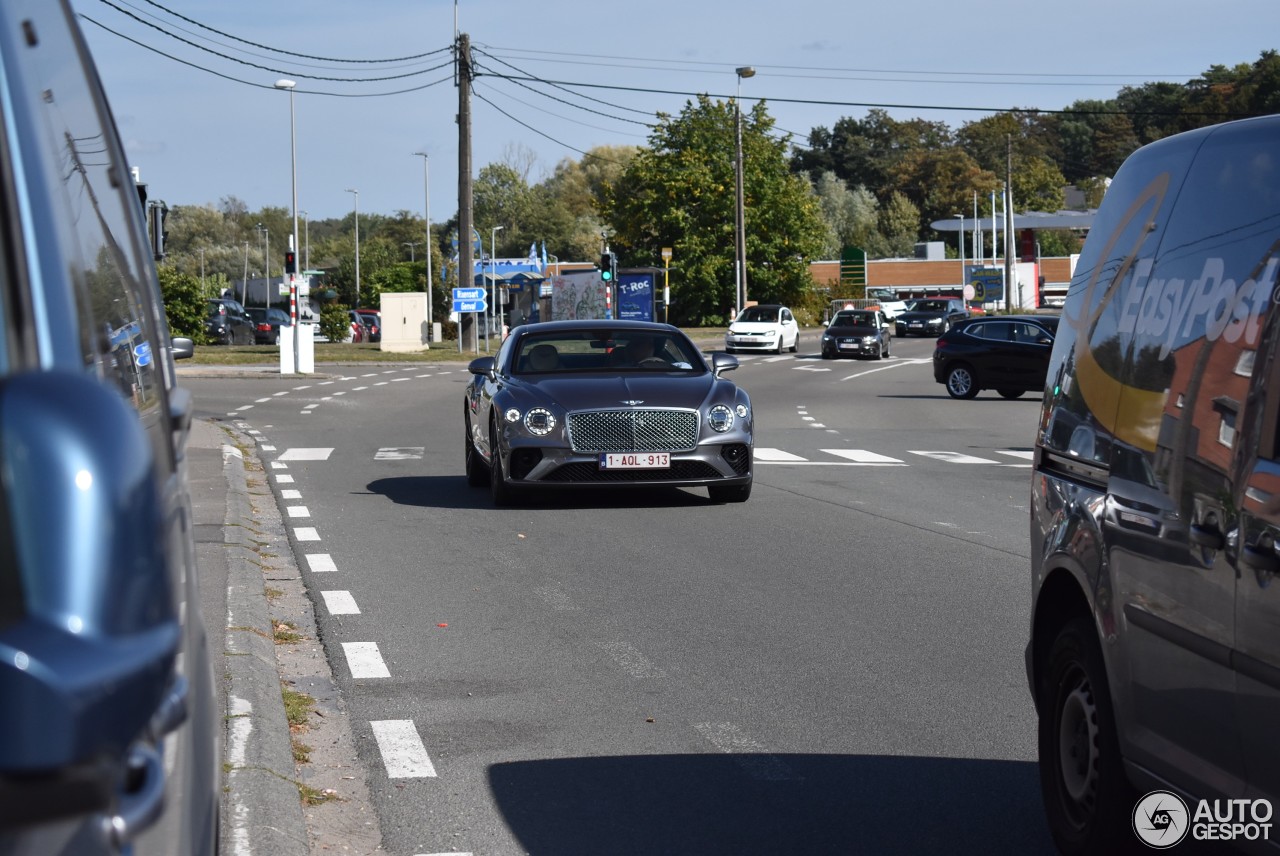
<point x="404" y="322"/>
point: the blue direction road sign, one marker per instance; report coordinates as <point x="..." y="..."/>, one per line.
<point x="468" y="294"/>
<point x="469" y="305"/>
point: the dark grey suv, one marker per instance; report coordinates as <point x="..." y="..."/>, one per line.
<point x="1154" y="652"/>
<point x="108" y="719"/>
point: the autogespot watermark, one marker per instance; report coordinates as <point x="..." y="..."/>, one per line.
<point x="1162" y="819"/>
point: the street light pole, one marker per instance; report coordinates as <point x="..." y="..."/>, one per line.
<point x="410" y="245"/>
<point x="306" y="241"/>
<point x="740" y="248"/>
<point x="266" y="262"/>
<point x="293" y="164"/>
<point x="426" y="183"/>
<point x="357" y="209"/>
<point x="962" y="282"/>
<point x="493" y="273"/>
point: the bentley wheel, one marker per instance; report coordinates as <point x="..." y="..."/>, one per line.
<point x="961" y="383"/>
<point x="1087" y="797"/>
<point x="499" y="491"/>
<point x="477" y="472"/>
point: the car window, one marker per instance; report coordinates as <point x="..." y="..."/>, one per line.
<point x="112" y="270"/>
<point x="606" y="350"/>
<point x="758" y="314"/>
<point x="1030" y="334"/>
<point x="998" y="331"/>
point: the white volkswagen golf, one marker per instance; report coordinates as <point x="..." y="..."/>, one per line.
<point x="764" y="327"/>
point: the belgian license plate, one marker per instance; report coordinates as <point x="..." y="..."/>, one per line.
<point x="848" y="346"/>
<point x="635" y="460"/>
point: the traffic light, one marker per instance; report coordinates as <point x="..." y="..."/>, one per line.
<point x="608" y="266"/>
<point x="290" y="262"/>
<point x="156" y="214"/>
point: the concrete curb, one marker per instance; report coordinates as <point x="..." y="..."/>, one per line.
<point x="265" y="809"/>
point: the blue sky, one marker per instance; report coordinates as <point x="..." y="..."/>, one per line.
<point x="201" y="127"/>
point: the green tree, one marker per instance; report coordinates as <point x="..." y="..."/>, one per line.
<point x="679" y="192"/>
<point x="184" y="304"/>
<point x="900" y="225"/>
<point x="939" y="183"/>
<point x="851" y="215"/>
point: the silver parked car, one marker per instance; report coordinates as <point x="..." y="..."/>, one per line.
<point x="108" y="720"/>
<point x="606" y="404"/>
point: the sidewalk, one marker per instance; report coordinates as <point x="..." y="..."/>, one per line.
<point x="263" y="634"/>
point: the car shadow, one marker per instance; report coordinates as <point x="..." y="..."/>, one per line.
<point x="771" y="804"/>
<point x="453" y="492"/>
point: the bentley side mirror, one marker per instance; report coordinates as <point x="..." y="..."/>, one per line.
<point x="721" y="363"/>
<point x="486" y="366"/>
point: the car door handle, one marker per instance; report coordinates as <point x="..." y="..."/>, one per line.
<point x="1206" y="536"/>
<point x="142" y="804"/>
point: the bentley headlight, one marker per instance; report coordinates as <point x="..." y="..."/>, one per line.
<point x="512" y="415"/>
<point x="720" y="418"/>
<point x="539" y="421"/>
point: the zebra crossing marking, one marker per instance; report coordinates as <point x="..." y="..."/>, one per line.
<point x="953" y="457"/>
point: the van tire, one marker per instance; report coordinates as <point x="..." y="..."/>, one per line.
<point x="1088" y="799"/>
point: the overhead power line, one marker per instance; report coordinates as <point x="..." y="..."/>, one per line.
<point x="875" y="105"/>
<point x="285" y="52"/>
<point x="722" y="68"/>
<point x="198" y="67"/>
<point x="190" y="43"/>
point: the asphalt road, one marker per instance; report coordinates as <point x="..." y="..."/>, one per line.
<point x="834" y="666"/>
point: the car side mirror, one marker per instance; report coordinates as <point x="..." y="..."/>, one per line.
<point x="89" y="619"/>
<point x="183" y="348"/>
<point x="721" y="363"/>
<point x="486" y="366"/>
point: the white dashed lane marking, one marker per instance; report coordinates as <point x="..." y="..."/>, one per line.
<point x="306" y="533"/>
<point x="291" y="494"/>
<point x="364" y="661"/>
<point x="751" y="756"/>
<point x="318" y="454"/>
<point x="400" y="453"/>
<point x="298" y="511"/>
<point x="340" y="603"/>
<point x="952" y="457"/>
<point x="403" y="753"/>
<point x="321" y="563"/>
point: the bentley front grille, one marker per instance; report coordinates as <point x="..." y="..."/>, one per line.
<point x="633" y="430"/>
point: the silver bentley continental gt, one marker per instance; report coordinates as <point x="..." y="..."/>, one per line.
<point x="588" y="404"/>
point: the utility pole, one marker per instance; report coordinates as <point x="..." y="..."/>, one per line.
<point x="466" y="267"/>
<point x="1008" y="223"/>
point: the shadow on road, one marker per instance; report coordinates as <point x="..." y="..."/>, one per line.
<point x="453" y="492"/>
<point x="771" y="804"/>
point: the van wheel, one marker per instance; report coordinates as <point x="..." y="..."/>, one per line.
<point x="1010" y="393"/>
<point x="961" y="382"/>
<point x="1087" y="797"/>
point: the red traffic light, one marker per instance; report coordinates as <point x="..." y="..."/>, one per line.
<point x="290" y="262"/>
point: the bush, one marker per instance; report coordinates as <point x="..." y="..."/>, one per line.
<point x="335" y="322"/>
<point x="449" y="330"/>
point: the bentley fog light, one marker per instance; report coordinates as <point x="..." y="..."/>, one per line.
<point x="539" y="421"/>
<point x="720" y="418"/>
<point x="512" y="415"/>
<point x="742" y="411"/>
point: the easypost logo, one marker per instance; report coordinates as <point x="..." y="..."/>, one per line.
<point x="1161" y="819"/>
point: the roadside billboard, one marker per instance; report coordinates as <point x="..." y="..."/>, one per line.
<point x="635" y="296"/>
<point x="579" y="294"/>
